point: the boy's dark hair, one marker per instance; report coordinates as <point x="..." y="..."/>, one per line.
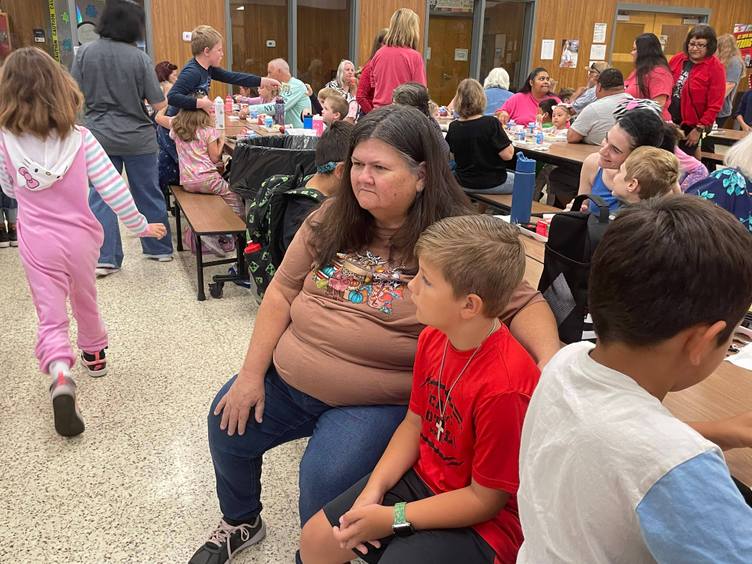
<point x="334" y="143"/>
<point x="645" y="127"/>
<point x="548" y="106"/>
<point x="122" y="20"/>
<point x="705" y="32"/>
<point x="611" y="78"/>
<point x="667" y="264"/>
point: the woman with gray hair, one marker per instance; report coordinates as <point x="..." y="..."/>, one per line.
<point x="346" y="84"/>
<point x="496" y="86"/>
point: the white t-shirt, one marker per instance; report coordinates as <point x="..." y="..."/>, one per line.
<point x="608" y="475"/>
<point x="597" y="118"/>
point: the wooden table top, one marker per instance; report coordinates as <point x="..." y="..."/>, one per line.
<point x="207" y="213"/>
<point x="559" y="153"/>
<point x="732" y="135"/>
<point x="504" y="202"/>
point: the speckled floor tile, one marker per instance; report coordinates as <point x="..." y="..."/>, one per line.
<point x="137" y="486"/>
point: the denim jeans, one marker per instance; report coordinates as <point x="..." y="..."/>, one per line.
<point x="8" y="208"/>
<point x="506" y="187"/>
<point x="345" y="445"/>
<point x="142" y="179"/>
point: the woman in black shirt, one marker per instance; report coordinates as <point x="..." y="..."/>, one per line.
<point x="479" y="144"/>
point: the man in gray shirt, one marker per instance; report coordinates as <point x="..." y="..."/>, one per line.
<point x="592" y="125"/>
<point x="116" y="77"/>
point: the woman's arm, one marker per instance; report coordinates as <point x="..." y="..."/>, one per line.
<point x="507" y="154"/>
<point x="742" y="123"/>
<point x="587" y="174"/>
<point x="535" y="328"/>
<point x="163" y="119"/>
<point x="661" y="100"/>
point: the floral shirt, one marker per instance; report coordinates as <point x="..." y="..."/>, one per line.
<point x="728" y="188"/>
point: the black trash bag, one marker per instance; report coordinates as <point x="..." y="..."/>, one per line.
<point x="256" y="159"/>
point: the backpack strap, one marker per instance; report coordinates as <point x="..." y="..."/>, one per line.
<point x="307" y="192"/>
<point x="603" y="211"/>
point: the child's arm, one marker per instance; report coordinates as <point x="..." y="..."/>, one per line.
<point x="181" y="93"/>
<point x="111" y="187"/>
<point x="162" y="119"/>
<point x="216" y="146"/>
<point x="236" y="78"/>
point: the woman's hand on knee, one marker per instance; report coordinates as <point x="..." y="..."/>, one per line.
<point x="244" y="394"/>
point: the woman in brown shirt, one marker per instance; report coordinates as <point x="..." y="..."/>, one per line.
<point x="333" y="346"/>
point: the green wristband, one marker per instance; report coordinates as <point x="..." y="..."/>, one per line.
<point x="399" y="513"/>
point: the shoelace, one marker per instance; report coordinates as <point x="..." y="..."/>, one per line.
<point x="222" y="534"/>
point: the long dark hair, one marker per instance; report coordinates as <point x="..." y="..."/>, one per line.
<point x="649" y="55"/>
<point x="527" y="86"/>
<point x="122" y="20"/>
<point x="346" y="227"/>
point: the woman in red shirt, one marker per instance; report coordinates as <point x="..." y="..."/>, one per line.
<point x="652" y="78"/>
<point x="398" y="61"/>
<point x="699" y="86"/>
<point x="364" y="95"/>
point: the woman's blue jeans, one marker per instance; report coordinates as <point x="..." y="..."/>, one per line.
<point x="345" y="445"/>
<point x="144" y="185"/>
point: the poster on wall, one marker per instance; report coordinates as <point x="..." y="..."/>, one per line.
<point x="547" y="49"/>
<point x="743" y="35"/>
<point x="570" y="49"/>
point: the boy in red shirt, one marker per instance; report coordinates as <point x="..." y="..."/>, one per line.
<point x="445" y="489"/>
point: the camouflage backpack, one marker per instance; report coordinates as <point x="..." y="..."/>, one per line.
<point x="265" y="221"/>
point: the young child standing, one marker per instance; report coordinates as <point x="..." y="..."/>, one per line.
<point x="648" y="172"/>
<point x="608" y="474"/>
<point x="47" y="164"/>
<point x="445" y="489"/>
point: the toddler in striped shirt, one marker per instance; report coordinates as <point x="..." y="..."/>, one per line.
<point x="47" y="163"/>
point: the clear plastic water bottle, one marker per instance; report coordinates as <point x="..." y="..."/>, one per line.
<point x="219" y="113"/>
<point x="279" y="110"/>
<point x="539" y="137"/>
<point x="531" y="127"/>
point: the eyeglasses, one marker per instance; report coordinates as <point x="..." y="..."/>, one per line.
<point x="694" y="45"/>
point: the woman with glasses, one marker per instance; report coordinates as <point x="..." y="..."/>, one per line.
<point x="699" y="86"/>
<point x="651" y="79"/>
<point x="585" y="95"/>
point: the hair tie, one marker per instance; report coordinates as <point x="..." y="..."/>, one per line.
<point x="326" y="168"/>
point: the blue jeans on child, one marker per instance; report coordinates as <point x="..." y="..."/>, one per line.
<point x="345" y="445"/>
<point x="8" y="208"/>
<point x="142" y="179"/>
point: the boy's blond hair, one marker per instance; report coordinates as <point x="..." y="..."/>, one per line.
<point x="204" y="37"/>
<point x="324" y="93"/>
<point x="39" y="95"/>
<point x="338" y="105"/>
<point x="477" y="254"/>
<point x="656" y="171"/>
<point x="471" y="98"/>
<point x="404" y="29"/>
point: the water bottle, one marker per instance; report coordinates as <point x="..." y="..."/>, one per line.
<point x="219" y="113"/>
<point x="538" y="136"/>
<point x="279" y="110"/>
<point x="524" y="187"/>
<point x="268" y="122"/>
<point x="318" y="125"/>
<point x="228" y="105"/>
<point x="308" y="122"/>
<point x="531" y="127"/>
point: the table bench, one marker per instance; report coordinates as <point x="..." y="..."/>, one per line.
<point x="209" y="214"/>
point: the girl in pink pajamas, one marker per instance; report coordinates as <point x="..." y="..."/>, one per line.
<point x="47" y="164"/>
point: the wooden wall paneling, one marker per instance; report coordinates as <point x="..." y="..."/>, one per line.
<point x="23" y="17"/>
<point x="319" y="54"/>
<point x="375" y="14"/>
<point x="575" y="19"/>
<point x="171" y="18"/>
<point x="251" y="28"/>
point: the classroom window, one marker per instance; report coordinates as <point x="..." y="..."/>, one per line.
<point x="259" y="34"/>
<point x="323" y="39"/>
<point x="504" y="31"/>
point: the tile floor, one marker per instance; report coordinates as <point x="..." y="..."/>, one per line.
<point x="137" y="486"/>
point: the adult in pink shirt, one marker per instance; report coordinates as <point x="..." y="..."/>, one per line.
<point x="652" y="78"/>
<point x="398" y="61"/>
<point x="522" y="107"/>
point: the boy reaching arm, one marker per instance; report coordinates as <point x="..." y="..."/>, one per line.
<point x="445" y="489"/>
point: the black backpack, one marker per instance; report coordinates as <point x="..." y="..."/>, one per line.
<point x="572" y="239"/>
<point x="265" y="219"/>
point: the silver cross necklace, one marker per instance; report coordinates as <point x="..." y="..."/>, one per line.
<point x="442" y="408"/>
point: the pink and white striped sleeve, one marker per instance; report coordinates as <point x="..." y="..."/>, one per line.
<point x="111" y="186"/>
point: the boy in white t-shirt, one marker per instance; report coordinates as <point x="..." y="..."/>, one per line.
<point x="607" y="474"/>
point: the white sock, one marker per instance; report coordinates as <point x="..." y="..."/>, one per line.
<point x="58" y="366"/>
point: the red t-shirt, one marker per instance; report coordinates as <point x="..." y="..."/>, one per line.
<point x="482" y="424"/>
<point x="391" y="67"/>
<point x="660" y="82"/>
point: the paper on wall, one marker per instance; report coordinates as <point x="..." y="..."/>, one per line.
<point x="599" y="32"/>
<point x="598" y="52"/>
<point x="547" y="49"/>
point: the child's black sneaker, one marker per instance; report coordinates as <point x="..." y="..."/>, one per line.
<point x="4" y="237"/>
<point x="68" y="420"/>
<point x="95" y="363"/>
<point x="12" y="235"/>
<point x="227" y="541"/>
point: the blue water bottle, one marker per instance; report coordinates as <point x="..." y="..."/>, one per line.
<point x="524" y="187"/>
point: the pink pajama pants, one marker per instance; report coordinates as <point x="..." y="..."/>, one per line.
<point x="215" y="184"/>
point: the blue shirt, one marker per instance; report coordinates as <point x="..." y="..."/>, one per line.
<point x="745" y="108"/>
<point x="496" y="98"/>
<point x="600" y="189"/>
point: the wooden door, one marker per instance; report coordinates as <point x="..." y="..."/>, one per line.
<point x="449" y="39"/>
